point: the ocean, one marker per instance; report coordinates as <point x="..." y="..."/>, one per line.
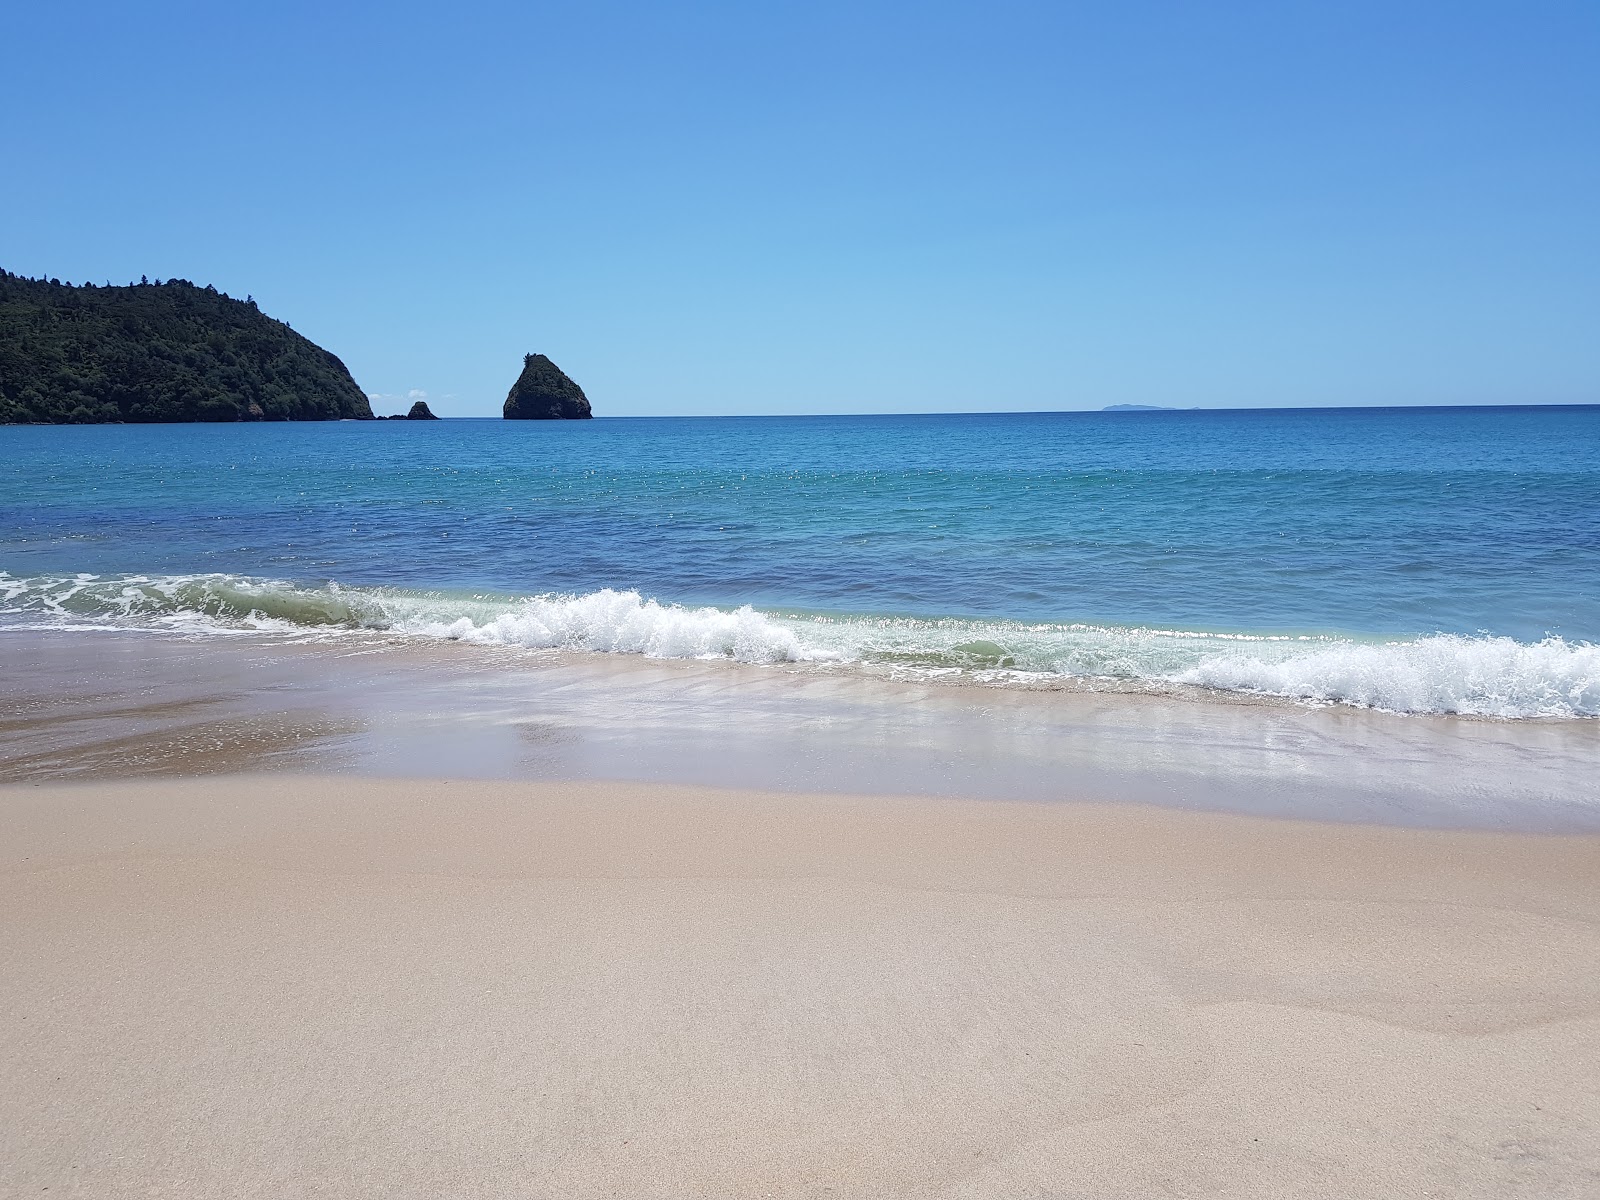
<point x="1419" y="560"/>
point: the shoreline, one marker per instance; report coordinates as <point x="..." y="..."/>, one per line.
<point x="314" y="985"/>
<point x="343" y="642"/>
<point x="113" y="705"/>
<point x="1483" y="674"/>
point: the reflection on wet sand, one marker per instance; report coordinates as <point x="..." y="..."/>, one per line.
<point x="227" y="745"/>
<point x="112" y="709"/>
<point x="133" y="704"/>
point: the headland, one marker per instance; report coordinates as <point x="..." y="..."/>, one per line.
<point x="158" y="352"/>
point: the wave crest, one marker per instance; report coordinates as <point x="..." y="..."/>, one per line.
<point x="1445" y="673"/>
<point x="625" y="623"/>
<point x="1441" y="673"/>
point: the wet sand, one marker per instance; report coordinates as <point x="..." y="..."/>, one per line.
<point x="303" y="985"/>
<point x="113" y="705"/>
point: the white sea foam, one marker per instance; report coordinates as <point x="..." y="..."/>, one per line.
<point x="1484" y="676"/>
<point x="624" y="623"/>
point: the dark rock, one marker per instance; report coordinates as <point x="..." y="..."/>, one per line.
<point x="544" y="393"/>
<point x="421" y="412"/>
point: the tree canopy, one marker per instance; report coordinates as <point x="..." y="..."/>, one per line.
<point x="158" y="352"/>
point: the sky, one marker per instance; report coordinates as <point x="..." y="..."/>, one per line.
<point x="854" y="207"/>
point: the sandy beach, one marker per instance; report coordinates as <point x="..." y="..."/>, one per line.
<point x="331" y="986"/>
<point x="825" y="601"/>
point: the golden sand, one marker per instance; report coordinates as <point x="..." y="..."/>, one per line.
<point x="284" y="987"/>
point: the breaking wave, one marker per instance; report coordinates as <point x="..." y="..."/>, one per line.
<point x="1439" y="673"/>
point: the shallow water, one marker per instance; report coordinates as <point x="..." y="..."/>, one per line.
<point x="1417" y="560"/>
<point x="126" y="704"/>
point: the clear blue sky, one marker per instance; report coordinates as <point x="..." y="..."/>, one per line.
<point x="858" y="207"/>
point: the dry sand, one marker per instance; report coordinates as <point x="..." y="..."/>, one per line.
<point x="285" y="987"/>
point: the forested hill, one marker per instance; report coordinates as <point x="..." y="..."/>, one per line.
<point x="158" y="352"/>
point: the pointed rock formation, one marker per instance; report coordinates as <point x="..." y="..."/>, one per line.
<point x="544" y="393"/>
<point x="419" y="412"/>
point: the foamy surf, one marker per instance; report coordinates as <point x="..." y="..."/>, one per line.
<point x="624" y="623"/>
<point x="1439" y="673"/>
<point x="1445" y="673"/>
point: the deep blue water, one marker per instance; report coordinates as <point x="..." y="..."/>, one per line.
<point x="1366" y="522"/>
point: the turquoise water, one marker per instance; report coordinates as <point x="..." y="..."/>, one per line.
<point x="1416" y="559"/>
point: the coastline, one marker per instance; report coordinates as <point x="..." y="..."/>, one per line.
<point x="106" y="705"/>
<point x="1438" y="672"/>
<point x="313" y="985"/>
<point x="1068" y="667"/>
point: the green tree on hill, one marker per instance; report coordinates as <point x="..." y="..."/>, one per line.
<point x="158" y="352"/>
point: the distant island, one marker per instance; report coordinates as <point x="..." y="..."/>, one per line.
<point x="156" y="352"/>
<point x="1141" y="408"/>
<point x="419" y="412"/>
<point x="543" y="392"/>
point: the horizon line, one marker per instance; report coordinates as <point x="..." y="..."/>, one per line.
<point x="1036" y="412"/>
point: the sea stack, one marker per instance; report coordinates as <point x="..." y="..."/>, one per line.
<point x="544" y="393"/>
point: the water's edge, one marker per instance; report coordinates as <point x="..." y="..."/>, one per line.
<point x="119" y="704"/>
<point x="1442" y="673"/>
